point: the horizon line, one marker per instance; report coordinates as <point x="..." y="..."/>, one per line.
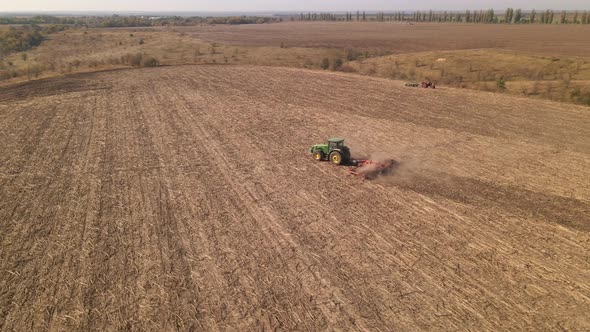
<point x="6" y="12"/>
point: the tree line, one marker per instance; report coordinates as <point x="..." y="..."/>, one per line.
<point x="135" y="21"/>
<point x="489" y="16"/>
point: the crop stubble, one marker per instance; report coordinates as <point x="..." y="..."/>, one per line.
<point x="184" y="198"/>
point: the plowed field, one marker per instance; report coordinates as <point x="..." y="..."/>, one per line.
<point x="566" y="39"/>
<point x="184" y="198"/>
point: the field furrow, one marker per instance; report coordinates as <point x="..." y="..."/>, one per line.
<point x="185" y="198"/>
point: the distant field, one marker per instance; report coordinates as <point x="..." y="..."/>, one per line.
<point x="569" y="40"/>
<point x="542" y="61"/>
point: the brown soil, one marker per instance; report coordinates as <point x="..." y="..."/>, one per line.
<point x="185" y="198"/>
<point x="570" y="40"/>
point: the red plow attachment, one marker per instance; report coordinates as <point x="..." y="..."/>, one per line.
<point x="370" y="169"/>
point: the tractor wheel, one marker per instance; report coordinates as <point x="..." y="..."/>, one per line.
<point x="336" y="158"/>
<point x="318" y="155"/>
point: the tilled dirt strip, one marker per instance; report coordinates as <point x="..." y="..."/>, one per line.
<point x="184" y="198"/>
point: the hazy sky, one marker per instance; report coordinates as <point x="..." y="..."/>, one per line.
<point x="278" y="5"/>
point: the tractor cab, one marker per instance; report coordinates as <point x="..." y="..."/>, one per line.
<point x="334" y="150"/>
<point x="335" y="144"/>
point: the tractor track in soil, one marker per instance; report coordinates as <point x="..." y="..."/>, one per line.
<point x="184" y="198"/>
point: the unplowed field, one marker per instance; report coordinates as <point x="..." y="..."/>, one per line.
<point x="185" y="198"/>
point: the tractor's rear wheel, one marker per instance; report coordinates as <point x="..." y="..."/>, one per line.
<point x="336" y="158"/>
<point x="318" y="155"/>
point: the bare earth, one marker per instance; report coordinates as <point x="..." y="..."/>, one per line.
<point x="567" y="40"/>
<point x="184" y="198"/>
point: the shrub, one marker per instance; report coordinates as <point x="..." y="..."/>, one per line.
<point x="133" y="59"/>
<point x="325" y="63"/>
<point x="150" y="62"/>
<point x="337" y="64"/>
<point x="501" y="84"/>
<point x="580" y="97"/>
<point x="352" y="55"/>
<point x="576" y="93"/>
<point x="33" y="71"/>
<point x="141" y="42"/>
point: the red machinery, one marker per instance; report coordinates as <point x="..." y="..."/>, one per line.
<point x="370" y="169"/>
<point x="428" y="84"/>
<point x="423" y="84"/>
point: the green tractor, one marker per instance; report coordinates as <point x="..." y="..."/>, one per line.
<point x="334" y="151"/>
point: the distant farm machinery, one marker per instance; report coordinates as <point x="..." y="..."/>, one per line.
<point x="338" y="154"/>
<point x="423" y="84"/>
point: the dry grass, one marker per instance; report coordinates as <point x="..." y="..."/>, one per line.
<point x="99" y="49"/>
<point x="550" y="77"/>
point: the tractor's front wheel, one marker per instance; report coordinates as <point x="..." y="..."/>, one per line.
<point x="336" y="158"/>
<point x="318" y="155"/>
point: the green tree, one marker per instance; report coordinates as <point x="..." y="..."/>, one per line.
<point x="517" y="16"/>
<point x="490" y="16"/>
<point x="508" y="16"/>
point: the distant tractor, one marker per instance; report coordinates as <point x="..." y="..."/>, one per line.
<point x="423" y="84"/>
<point x="334" y="151"/>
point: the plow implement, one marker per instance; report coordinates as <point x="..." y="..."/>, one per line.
<point x="368" y="169"/>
